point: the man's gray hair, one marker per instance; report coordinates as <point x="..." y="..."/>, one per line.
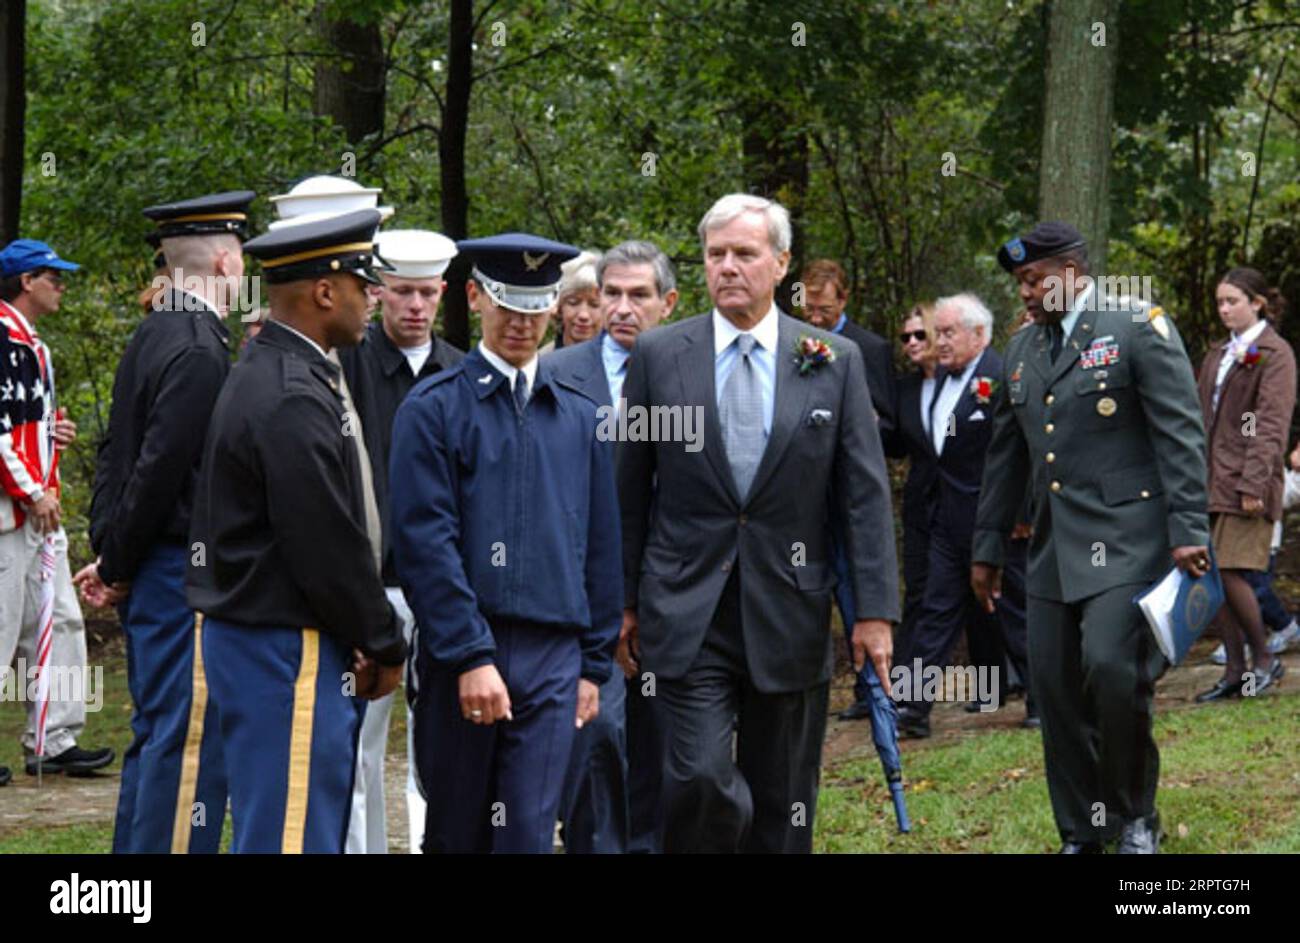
<point x="974" y="313"/>
<point x="640" y="252"/>
<point x="737" y="204"/>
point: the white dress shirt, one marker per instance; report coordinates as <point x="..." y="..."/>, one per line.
<point x="946" y="402"/>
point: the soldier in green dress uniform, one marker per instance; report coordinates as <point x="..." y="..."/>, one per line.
<point x="1099" y="416"/>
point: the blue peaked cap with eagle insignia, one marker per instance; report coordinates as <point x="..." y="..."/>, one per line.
<point x="518" y="270"/>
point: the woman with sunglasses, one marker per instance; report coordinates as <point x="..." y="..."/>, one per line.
<point x="910" y="439"/>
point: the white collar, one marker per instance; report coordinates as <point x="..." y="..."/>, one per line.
<point x="1249" y="336"/>
<point x="509" y="370"/>
<point x="766" y="332"/>
<point x="207" y="304"/>
<point x="319" y="348"/>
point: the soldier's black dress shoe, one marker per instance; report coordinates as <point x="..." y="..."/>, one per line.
<point x="1081" y="848"/>
<point x="1223" y="689"/>
<point x="856" y="711"/>
<point x="74" y="761"/>
<point x="1032" y="722"/>
<point x="1140" y="837"/>
<point x="912" y="724"/>
<point x="5" y="775"/>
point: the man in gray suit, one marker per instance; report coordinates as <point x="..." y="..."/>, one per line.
<point x="611" y="788"/>
<point x="727" y="542"/>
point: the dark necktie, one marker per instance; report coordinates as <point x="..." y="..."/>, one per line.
<point x="1058" y="337"/>
<point x="521" y="391"/>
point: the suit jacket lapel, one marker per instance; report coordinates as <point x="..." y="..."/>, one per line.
<point x="791" y="396"/>
<point x="695" y="367"/>
<point x="940" y="377"/>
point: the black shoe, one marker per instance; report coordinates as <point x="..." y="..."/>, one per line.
<point x="1140" y="837"/>
<point x="859" y="710"/>
<point x="977" y="707"/>
<point x="913" y="725"/>
<point x="1081" y="848"/>
<point x="1223" y="689"/>
<point x="74" y="761"/>
<point x="1032" y="722"/>
<point x="5" y="776"/>
<point x="907" y="713"/>
<point x="1271" y="677"/>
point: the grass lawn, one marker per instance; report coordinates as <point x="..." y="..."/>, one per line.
<point x="1230" y="783"/>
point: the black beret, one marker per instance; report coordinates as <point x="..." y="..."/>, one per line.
<point x="1043" y="241"/>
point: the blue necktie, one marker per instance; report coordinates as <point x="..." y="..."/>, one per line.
<point x="741" y="415"/>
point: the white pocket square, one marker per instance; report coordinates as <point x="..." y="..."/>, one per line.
<point x="820" y="417"/>
<point x="976" y="416"/>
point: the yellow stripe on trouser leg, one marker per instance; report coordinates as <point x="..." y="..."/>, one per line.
<point x="189" y="782"/>
<point x="304" y="710"/>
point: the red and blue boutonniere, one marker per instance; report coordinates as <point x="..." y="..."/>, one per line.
<point x="983" y="388"/>
<point x="811" y="353"/>
<point x="1249" y="356"/>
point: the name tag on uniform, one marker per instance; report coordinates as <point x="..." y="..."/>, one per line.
<point x="1102" y="352"/>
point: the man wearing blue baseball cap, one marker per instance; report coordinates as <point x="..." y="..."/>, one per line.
<point x="516" y="600"/>
<point x="31" y="435"/>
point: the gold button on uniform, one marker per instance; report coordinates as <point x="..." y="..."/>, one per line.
<point x="1049" y="399"/>
<point x="1145" y="493"/>
<point x="1101" y="385"/>
<point x="1049" y="428"/>
<point x="1051" y="457"/>
<point x="1056" y="486"/>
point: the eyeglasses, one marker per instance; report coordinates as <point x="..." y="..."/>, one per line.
<point x="53" y="277"/>
<point x="912" y="335"/>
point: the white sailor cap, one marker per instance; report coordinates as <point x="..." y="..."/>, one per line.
<point x="323" y="196"/>
<point x="415" y="253"/>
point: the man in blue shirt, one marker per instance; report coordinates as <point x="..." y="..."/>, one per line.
<point x="506" y="538"/>
<point x="611" y="792"/>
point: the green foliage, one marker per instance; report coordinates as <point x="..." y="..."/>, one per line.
<point x="904" y="134"/>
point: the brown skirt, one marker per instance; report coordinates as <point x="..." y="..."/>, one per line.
<point x="1240" y="542"/>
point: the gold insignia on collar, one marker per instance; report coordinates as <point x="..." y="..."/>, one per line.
<point x="534" y="262"/>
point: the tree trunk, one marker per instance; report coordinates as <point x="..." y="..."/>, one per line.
<point x="1074" y="177"/>
<point x="451" y="165"/>
<point x="775" y="154"/>
<point x="13" y="105"/>
<point x="350" y="86"/>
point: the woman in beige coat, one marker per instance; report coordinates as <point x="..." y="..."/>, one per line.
<point x="1247" y="387"/>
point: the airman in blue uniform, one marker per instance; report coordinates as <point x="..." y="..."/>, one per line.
<point x="505" y="534"/>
